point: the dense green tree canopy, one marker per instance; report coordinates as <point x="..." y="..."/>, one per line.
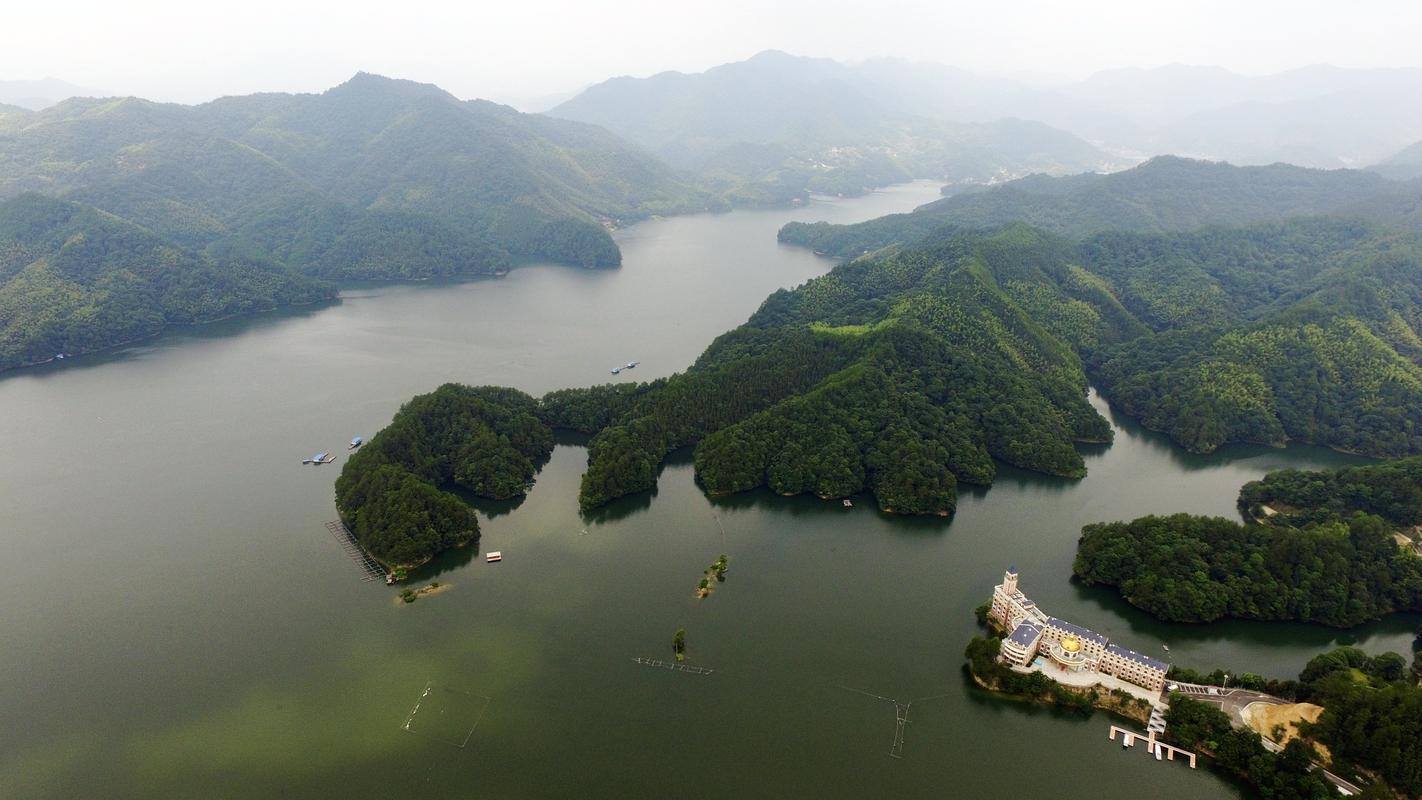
<point x="1298" y="330"/>
<point x="1391" y="490"/>
<point x="1198" y="569"/>
<point x="74" y="279"/>
<point x="395" y="491"/>
<point x="1372" y="714"/>
<point x="867" y="379"/>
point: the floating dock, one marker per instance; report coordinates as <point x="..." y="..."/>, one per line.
<point x="343" y="536"/>
<point x="1158" y="749"/>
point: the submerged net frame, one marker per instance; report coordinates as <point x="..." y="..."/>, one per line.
<point x="901" y="716"/>
<point x="441" y="713"/>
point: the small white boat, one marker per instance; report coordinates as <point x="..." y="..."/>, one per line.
<point x="356" y="442"/>
<point x="1165" y="647"/>
<point x="616" y="370"/>
<point x="847" y="503"/>
<point x="320" y="458"/>
<point x="631" y="365"/>
<point x="493" y="556"/>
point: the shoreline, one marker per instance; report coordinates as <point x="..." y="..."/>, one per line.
<point x="1100" y="704"/>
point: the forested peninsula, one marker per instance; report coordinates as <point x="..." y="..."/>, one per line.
<point x="1320" y="546"/>
<point x="1294" y="328"/>
<point x="398" y="492"/>
<point x="922" y="365"/>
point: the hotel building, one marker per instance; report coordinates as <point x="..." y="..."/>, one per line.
<point x="1032" y="633"/>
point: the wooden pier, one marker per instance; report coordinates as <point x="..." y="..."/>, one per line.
<point x="1128" y="738"/>
<point x="371" y="569"/>
<point x="672" y="665"/>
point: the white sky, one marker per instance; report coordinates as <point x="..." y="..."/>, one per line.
<point x="518" y="49"/>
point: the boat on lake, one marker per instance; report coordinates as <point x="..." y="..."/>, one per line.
<point x="356" y="442"/>
<point x="616" y="370"/>
<point x="320" y="458"/>
<point x="848" y="503"/>
<point x="496" y="555"/>
<point x="631" y="365"/>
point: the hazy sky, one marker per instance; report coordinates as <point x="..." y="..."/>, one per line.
<point x="516" y="49"/>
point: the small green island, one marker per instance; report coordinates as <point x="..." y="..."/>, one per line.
<point x="714" y="574"/>
<point x="410" y="594"/>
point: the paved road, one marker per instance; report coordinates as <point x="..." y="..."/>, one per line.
<point x="1234" y="701"/>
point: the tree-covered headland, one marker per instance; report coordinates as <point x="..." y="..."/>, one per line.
<point x="398" y="493"/>
<point x="1326" y="550"/>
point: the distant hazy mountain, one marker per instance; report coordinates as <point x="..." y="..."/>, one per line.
<point x="1314" y="116"/>
<point x="1164" y="194"/>
<point x="374" y="178"/>
<point x="1406" y="164"/>
<point x="43" y="93"/>
<point x="783" y="124"/>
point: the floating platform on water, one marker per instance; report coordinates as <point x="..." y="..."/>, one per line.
<point x="493" y="556"/>
<point x="369" y="566"/>
<point x="690" y="669"/>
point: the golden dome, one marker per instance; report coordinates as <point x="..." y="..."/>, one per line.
<point x="1071" y="644"/>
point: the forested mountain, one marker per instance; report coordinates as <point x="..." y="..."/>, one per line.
<point x="75" y="279"/>
<point x="901" y="375"/>
<point x="968" y="345"/>
<point x="774" y="126"/>
<point x="1164" y="194"/>
<point x="374" y="178"/>
<point x="1302" y="330"/>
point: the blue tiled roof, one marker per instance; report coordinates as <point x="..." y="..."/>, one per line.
<point x="1084" y="633"/>
<point x="1012" y="570"/>
<point x="1024" y="633"/>
<point x="1132" y="655"/>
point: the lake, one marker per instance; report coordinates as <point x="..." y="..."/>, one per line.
<point x="179" y="623"/>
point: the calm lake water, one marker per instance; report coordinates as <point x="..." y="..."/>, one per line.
<point x="178" y="622"/>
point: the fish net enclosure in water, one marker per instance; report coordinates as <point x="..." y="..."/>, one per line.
<point x="447" y="715"/>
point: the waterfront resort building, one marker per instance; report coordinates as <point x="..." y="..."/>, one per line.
<point x="1033" y="635"/>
